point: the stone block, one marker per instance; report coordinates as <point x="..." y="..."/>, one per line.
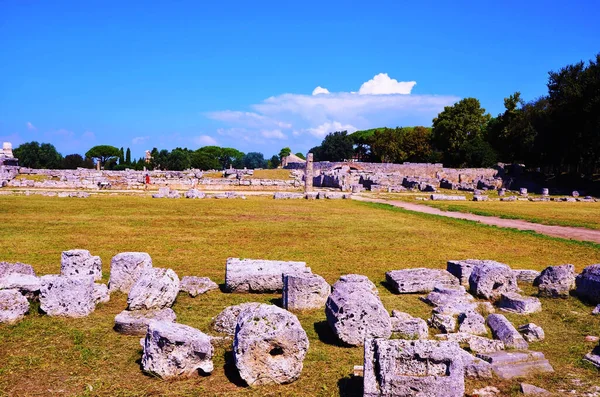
<point x="126" y="268"/>
<point x="532" y="332"/>
<point x="80" y="262"/>
<point x="515" y="303"/>
<point x="136" y="322"/>
<point x="257" y="275"/>
<point x="13" y="306"/>
<point x="304" y="292"/>
<point x="407" y="281"/>
<point x="503" y="330"/>
<point x="156" y="288"/>
<point x="490" y="279"/>
<point x="197" y="285"/>
<point x="409" y="327"/>
<point x="588" y="284"/>
<point x="556" y="281"/>
<point x="226" y="321"/>
<point x="526" y="275"/>
<point x="64" y="296"/>
<point x="511" y="364"/>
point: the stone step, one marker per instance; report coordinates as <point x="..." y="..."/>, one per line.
<point x="511" y="364"/>
<point x="511" y="356"/>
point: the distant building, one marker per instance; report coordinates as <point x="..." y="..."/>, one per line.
<point x="292" y="161"/>
<point x="6" y="155"/>
<point x="148" y="157"/>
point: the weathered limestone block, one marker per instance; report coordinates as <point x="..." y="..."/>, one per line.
<point x="532" y="332"/>
<point x="136" y="322"/>
<point x="588" y="283"/>
<point x="7" y="268"/>
<point x="515" y="303"/>
<point x="13" y="306"/>
<point x="101" y="294"/>
<point x="472" y="322"/>
<point x="194" y="194"/>
<point x="257" y="275"/>
<point x="156" y="288"/>
<point x="80" y="263"/>
<point x="444" y="197"/>
<point x="503" y="330"/>
<point x="354" y="312"/>
<point x="417" y="280"/>
<point x="27" y="284"/>
<point x="312" y="195"/>
<point x="226" y="321"/>
<point x="197" y="285"/>
<point x="413" y="368"/>
<point x="67" y="296"/>
<point x="448" y="295"/>
<point x="531" y="390"/>
<point x="462" y="269"/>
<point x="446" y="323"/>
<point x="509" y="364"/>
<point x="409" y="327"/>
<point x="287" y="195"/>
<point x="126" y="268"/>
<point x="304" y="292"/>
<point x="175" y="351"/>
<point x="480" y="198"/>
<point x="593" y="357"/>
<point x="490" y="279"/>
<point x="526" y="275"/>
<point x="477" y="344"/>
<point x="269" y="345"/>
<point x="475" y="367"/>
<point x="556" y="281"/>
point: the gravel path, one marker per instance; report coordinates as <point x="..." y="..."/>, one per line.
<point x="575" y="233"/>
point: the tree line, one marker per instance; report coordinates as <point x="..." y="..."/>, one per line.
<point x="558" y="132"/>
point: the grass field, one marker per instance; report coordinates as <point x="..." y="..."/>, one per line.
<point x="54" y="356"/>
<point x="549" y="212"/>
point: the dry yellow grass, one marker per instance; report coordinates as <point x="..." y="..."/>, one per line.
<point x="47" y="356"/>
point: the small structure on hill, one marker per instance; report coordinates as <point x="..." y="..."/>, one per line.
<point x="6" y="155"/>
<point x="292" y="161"/>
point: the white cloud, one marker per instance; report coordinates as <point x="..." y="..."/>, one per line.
<point x="205" y="140"/>
<point x="138" y="140"/>
<point x="276" y="134"/>
<point x="320" y="90"/>
<point x="382" y="84"/>
<point x="325" y="128"/>
<point x="30" y="126"/>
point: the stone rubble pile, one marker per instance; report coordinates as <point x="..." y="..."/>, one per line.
<point x="257" y="275"/>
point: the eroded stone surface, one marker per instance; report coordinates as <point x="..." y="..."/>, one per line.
<point x="476" y="343"/>
<point x="472" y="322"/>
<point x="556" y="281"/>
<point x="409" y="327"/>
<point x="194" y="194"/>
<point x="101" y="294"/>
<point x="490" y="279"/>
<point x="27" y="284"/>
<point x="13" y="306"/>
<point x="462" y="269"/>
<point x="136" y="322"/>
<point x="175" y="351"/>
<point x="197" y="285"/>
<point x="257" y="275"/>
<point x="269" y="345"/>
<point x="126" y="268"/>
<point x="444" y="322"/>
<point x="407" y="281"/>
<point x="413" y="368"/>
<point x="588" y="283"/>
<point x="8" y="268"/>
<point x="515" y="303"/>
<point x="526" y="275"/>
<point x="354" y="312"/>
<point x="511" y="363"/>
<point x="503" y="330"/>
<point x="67" y="296"/>
<point x="80" y="262"/>
<point x="156" y="288"/>
<point x="304" y="292"/>
<point x="226" y="321"/>
<point x="532" y="332"/>
<point x="531" y="390"/>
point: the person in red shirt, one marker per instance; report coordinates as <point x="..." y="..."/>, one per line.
<point x="147" y="181"/>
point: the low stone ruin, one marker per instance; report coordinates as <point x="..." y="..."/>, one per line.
<point x="226" y="321"/>
<point x="409" y="327"/>
<point x="13" y="306"/>
<point x="257" y="275"/>
<point x="556" y="281"/>
<point x="157" y="288"/>
<point x="476" y="343"/>
<point x="355" y="312"/>
<point x="588" y="284"/>
<point x="413" y="368"/>
<point x="80" y="262"/>
<point x="288" y="196"/>
<point x="194" y="194"/>
<point x="503" y="330"/>
<point x="136" y="322"/>
<point x="126" y="268"/>
<point x="304" y="292"/>
<point x="197" y="285"/>
<point x="67" y="296"/>
<point x="166" y="192"/>
<point x="462" y="269"/>
<point x="446" y="197"/>
<point x="515" y="303"/>
<point x="490" y="279"/>
<point x="409" y="281"/>
<point x="269" y="345"/>
<point x="176" y="351"/>
<point x="511" y="364"/>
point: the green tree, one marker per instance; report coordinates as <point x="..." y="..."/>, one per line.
<point x="103" y="153"/>
<point x="317" y="152"/>
<point x="274" y="162"/>
<point x="178" y="160"/>
<point x="337" y="146"/>
<point x="386" y="144"/>
<point x="231" y="157"/>
<point x="73" y="161"/>
<point x="121" y="157"/>
<point x="286" y="151"/>
<point x="128" y="156"/>
<point x="206" y="158"/>
<point x="253" y="160"/>
<point x="34" y="155"/>
<point x="416" y="144"/>
<point x="455" y="125"/>
<point x="301" y="156"/>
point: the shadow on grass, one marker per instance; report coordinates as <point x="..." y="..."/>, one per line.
<point x="231" y="371"/>
<point x="277" y="301"/>
<point x="351" y="386"/>
<point x="223" y="288"/>
<point x="387" y="286"/>
<point x="327" y="336"/>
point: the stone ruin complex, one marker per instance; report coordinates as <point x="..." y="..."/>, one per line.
<point x="403" y="355"/>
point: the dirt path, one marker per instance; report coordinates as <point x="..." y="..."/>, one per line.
<point x="575" y="233"/>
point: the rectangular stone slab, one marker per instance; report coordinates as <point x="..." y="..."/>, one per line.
<point x="258" y="275"/>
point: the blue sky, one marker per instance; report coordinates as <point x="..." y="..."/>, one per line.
<point x="242" y="74"/>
